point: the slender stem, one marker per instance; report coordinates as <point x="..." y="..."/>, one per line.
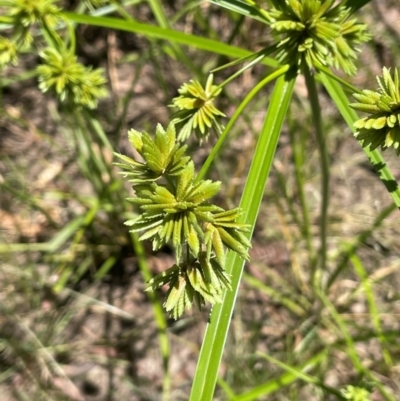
<point x="262" y="12"/>
<point x="235" y="116"/>
<point x="236" y="74"/>
<point x="71" y="36"/>
<point x="341" y="81"/>
<point x="298" y="159"/>
<point x="260" y="55"/>
<point x="324" y="160"/>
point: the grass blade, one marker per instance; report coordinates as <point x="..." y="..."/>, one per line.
<point x="355" y="5"/>
<point x="243" y="8"/>
<point x="235" y="116"/>
<point x="366" y="284"/>
<point x="282" y="381"/>
<point x="210" y="45"/>
<point x="162" y="20"/>
<point x="217" y="330"/>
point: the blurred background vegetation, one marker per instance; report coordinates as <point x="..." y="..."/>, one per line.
<point x="75" y="323"/>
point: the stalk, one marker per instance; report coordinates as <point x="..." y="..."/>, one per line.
<point x="324" y="160"/>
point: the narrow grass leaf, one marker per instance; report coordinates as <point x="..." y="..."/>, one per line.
<point x="280" y="382"/>
<point x="241" y="7"/>
<point x="215" y="336"/>
<point x="151" y="31"/>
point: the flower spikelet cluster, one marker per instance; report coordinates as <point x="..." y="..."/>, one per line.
<point x="317" y="32"/>
<point x="176" y="208"/>
<point x="197" y="111"/>
<point x="29" y="12"/>
<point x="353" y="393"/>
<point x="8" y="52"/>
<point x="382" y="127"/>
<point x="26" y="14"/>
<point x="70" y="80"/>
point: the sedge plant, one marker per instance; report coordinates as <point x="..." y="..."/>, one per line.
<point x="311" y="38"/>
<point x="174" y="204"/>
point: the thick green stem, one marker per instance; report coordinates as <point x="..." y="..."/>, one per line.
<point x="324" y="159"/>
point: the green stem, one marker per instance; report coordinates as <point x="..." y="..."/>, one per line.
<point x="258" y="57"/>
<point x="324" y="159"/>
<point x="339" y="80"/>
<point x="235" y="116"/>
<point x="298" y="159"/>
<point x="236" y="74"/>
<point x="217" y="330"/>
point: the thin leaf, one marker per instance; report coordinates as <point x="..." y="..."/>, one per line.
<point x="215" y="336"/>
<point x="151" y="31"/>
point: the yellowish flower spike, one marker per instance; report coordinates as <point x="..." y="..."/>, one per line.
<point x="382" y="127"/>
<point x="197" y="111"/>
<point x="70" y="80"/>
<point x="319" y="32"/>
<point x="176" y="208"/>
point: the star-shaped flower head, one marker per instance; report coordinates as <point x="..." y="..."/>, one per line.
<point x="70" y="80"/>
<point x="318" y="32"/>
<point x="175" y="207"/>
<point x="353" y="393"/>
<point x="382" y="127"/>
<point x="26" y="13"/>
<point x="196" y="109"/>
<point x="29" y="12"/>
<point x="175" y="212"/>
<point x="194" y="281"/>
<point x="161" y="156"/>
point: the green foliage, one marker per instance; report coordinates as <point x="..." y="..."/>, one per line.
<point x="176" y="207"/>
<point x="382" y="127"/>
<point x="196" y="109"/>
<point x="317" y="32"/>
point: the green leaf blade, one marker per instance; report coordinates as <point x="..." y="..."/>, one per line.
<point x="215" y="337"/>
